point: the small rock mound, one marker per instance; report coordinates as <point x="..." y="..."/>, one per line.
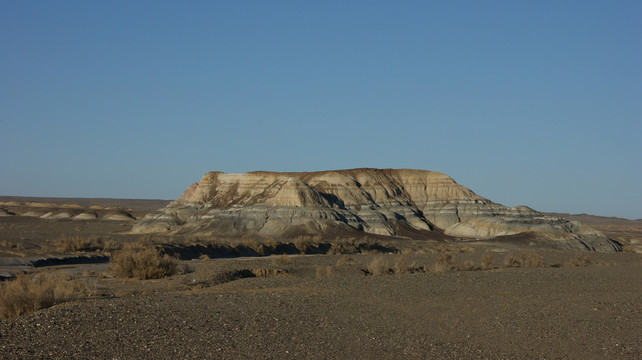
<point x="119" y="217"/>
<point x="86" y="216"/>
<point x="56" y="215"/>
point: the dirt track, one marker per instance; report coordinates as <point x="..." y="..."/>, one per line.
<point x="590" y="312"/>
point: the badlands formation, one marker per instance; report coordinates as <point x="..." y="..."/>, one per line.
<point x="391" y="202"/>
<point x="52" y="211"/>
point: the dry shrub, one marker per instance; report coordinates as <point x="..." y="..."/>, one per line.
<point x="29" y="293"/>
<point x="76" y="243"/>
<point x="133" y="261"/>
<point x="145" y="241"/>
<point x="263" y="250"/>
<point x="487" y="262"/>
<point x="345" y="259"/>
<point x="468" y="265"/>
<point x="444" y="262"/>
<point x="532" y="259"/>
<point x="111" y="245"/>
<point x="527" y="258"/>
<point x="270" y="243"/>
<point x="512" y="261"/>
<point x="368" y="246"/>
<point x="579" y="260"/>
<point x="268" y="272"/>
<point x="442" y="248"/>
<point x="304" y="243"/>
<point x="343" y="248"/>
<point x="378" y="266"/>
<point x="249" y="242"/>
<point x="301" y="243"/>
<point x="401" y="265"/>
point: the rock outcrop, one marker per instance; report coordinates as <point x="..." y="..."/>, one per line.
<point x="52" y="211"/>
<point x="409" y="203"/>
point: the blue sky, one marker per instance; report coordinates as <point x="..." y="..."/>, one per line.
<point x="536" y="103"/>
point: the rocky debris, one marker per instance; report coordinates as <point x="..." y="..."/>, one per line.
<point x="374" y="201"/>
<point x="527" y="313"/>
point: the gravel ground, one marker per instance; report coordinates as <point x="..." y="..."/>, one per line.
<point x="592" y="312"/>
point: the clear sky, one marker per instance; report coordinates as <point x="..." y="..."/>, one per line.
<point x="534" y="103"/>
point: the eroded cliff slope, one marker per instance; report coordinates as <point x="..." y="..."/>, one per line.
<point x="392" y="202"/>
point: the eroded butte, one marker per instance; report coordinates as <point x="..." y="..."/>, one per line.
<point x="386" y="202"/>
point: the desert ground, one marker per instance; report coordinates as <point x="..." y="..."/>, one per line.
<point x="316" y="298"/>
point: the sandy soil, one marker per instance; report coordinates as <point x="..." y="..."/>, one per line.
<point x="326" y="307"/>
<point x="589" y="312"/>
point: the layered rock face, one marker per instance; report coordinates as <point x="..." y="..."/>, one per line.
<point x="384" y="202"/>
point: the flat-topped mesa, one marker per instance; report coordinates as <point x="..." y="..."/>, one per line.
<point x="378" y="201"/>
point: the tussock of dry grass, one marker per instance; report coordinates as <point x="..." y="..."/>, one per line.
<point x="511" y="261"/>
<point x="378" y="266"/>
<point x="444" y="262"/>
<point x="345" y="259"/>
<point x="343" y="248"/>
<point x="134" y="261"/>
<point x="528" y="258"/>
<point x="306" y="243"/>
<point x="29" y="293"/>
<point x="578" y="261"/>
<point x="362" y="246"/>
<point x="381" y="265"/>
<point x="111" y="245"/>
<point x="487" y="262"/>
<point x="401" y="265"/>
<point x="268" y="272"/>
<point x="467" y="265"/>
